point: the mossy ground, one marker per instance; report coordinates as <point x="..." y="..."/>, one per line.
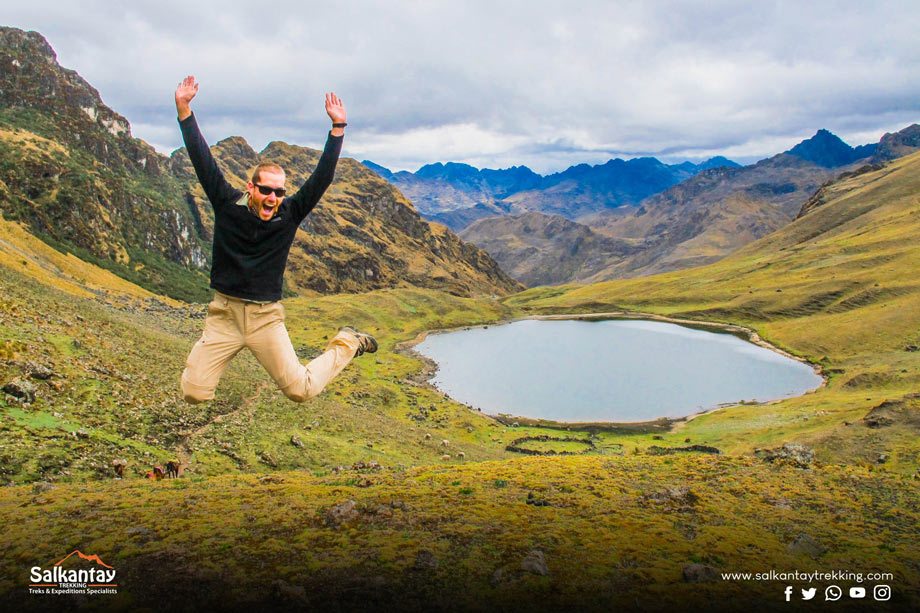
<point x="605" y="537"/>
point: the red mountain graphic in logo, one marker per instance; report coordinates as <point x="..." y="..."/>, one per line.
<point x="93" y="558"/>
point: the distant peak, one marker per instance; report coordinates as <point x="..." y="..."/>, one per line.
<point x="383" y="171"/>
<point x="825" y="149"/>
<point x="237" y="144"/>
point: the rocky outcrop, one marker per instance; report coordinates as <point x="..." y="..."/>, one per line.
<point x="899" y="144"/>
<point x="77" y="178"/>
<point x="793" y="454"/>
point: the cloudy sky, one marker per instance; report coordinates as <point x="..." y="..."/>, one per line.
<point x="499" y="83"/>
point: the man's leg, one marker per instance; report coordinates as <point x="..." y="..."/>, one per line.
<point x="220" y="341"/>
<point x="270" y="343"/>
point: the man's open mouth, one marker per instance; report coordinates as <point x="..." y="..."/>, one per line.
<point x="267" y="210"/>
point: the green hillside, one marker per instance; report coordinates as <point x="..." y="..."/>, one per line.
<point x="258" y="520"/>
<point x="838" y="287"/>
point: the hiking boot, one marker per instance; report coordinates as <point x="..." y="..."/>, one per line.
<point x="366" y="342"/>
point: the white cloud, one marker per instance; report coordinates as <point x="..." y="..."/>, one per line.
<point x="501" y="83"/>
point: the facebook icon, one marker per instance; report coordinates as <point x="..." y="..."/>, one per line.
<point x="788" y="593"/>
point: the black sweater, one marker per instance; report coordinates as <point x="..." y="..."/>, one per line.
<point x="249" y="254"/>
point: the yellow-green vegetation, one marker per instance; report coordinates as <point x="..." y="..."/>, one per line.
<point x="611" y="531"/>
<point x="114" y="392"/>
<point x="261" y="512"/>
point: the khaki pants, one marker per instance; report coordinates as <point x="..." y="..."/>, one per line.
<point x="233" y="324"/>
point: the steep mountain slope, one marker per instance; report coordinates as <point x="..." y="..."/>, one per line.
<point x="705" y="218"/>
<point x="901" y="143"/>
<point x="70" y="170"/>
<point x="459" y="219"/>
<point x="718" y="211"/>
<point x="540" y="249"/>
<point x="828" y="150"/>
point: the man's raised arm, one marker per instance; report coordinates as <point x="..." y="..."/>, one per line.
<point x="209" y="175"/>
<point x="309" y="194"/>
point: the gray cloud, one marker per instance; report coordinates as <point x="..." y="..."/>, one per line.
<point x="502" y="83"/>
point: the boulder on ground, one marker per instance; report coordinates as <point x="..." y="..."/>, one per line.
<point x="341" y="513"/>
<point x="534" y="562"/>
<point x="675" y="498"/>
<point x="21" y="388"/>
<point x="38" y="371"/>
<point x="805" y="543"/>
<point x="699" y="573"/>
<point x="797" y="455"/>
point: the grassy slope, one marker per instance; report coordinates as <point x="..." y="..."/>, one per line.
<point x="839" y="287"/>
<point x="117" y="358"/>
<point x="191" y="539"/>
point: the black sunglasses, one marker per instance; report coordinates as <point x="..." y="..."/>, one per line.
<point x="266" y="190"/>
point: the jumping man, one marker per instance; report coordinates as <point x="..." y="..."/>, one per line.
<point x="253" y="232"/>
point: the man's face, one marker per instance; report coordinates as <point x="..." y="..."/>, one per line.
<point x="266" y="205"/>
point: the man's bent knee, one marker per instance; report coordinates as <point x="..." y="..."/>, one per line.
<point x="298" y="392"/>
<point x="295" y="394"/>
<point x="192" y="393"/>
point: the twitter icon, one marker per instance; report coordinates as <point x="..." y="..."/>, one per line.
<point x="809" y="593"/>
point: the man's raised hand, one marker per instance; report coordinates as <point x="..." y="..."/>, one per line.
<point x="184" y="94"/>
<point x="336" y="111"/>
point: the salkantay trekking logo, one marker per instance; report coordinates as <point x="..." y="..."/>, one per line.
<point x="59" y="580"/>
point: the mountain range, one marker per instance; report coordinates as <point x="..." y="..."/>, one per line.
<point x="692" y="223"/>
<point x="71" y="172"/>
<point x="458" y="194"/>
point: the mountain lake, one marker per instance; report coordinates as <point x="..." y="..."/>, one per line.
<point x="607" y="371"/>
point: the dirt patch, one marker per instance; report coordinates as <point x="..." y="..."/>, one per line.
<point x="903" y="411"/>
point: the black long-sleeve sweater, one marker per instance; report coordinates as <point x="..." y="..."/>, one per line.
<point x="249" y="254"/>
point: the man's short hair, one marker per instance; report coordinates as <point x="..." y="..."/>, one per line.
<point x="267" y="167"/>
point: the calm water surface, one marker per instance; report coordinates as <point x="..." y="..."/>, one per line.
<point x="607" y="370"/>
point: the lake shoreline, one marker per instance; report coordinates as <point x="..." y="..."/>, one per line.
<point x="662" y="424"/>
